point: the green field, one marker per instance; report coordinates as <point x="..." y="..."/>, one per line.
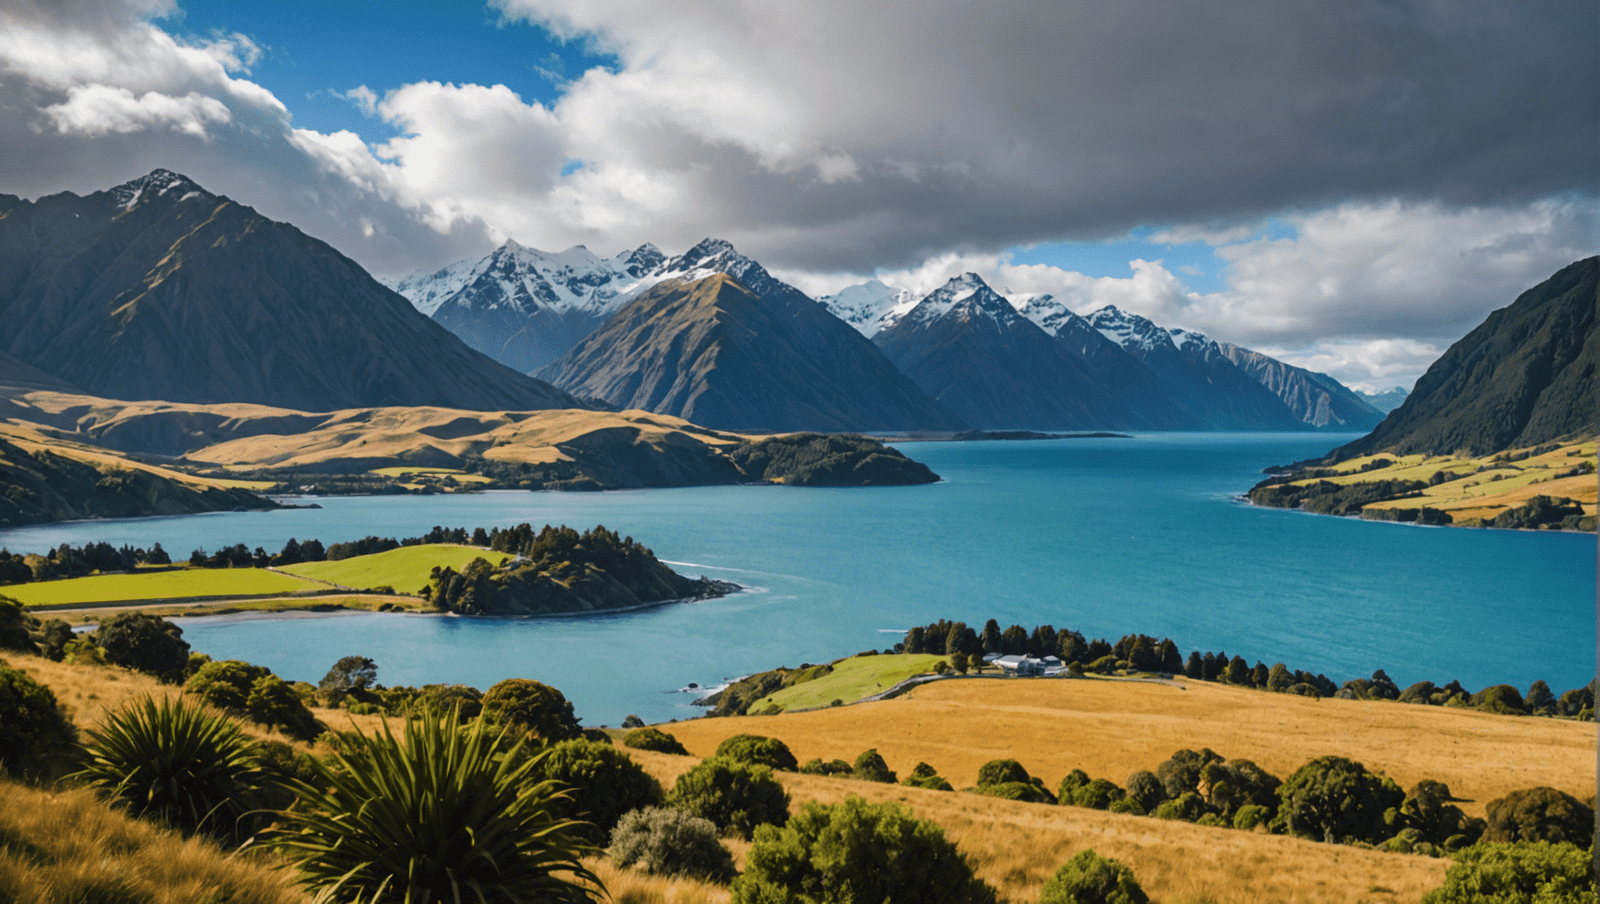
<point x="405" y="569"/>
<point x="184" y="582"/>
<point x="850" y="680"/>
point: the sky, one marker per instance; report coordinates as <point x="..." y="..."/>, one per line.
<point x="1350" y="187"/>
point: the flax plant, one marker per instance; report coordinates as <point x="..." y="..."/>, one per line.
<point x="442" y="817"/>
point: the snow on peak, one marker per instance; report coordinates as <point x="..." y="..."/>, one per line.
<point x="1184" y="339"/>
<point x="157" y="183"/>
<point x="1046" y="310"/>
<point x="1130" y="331"/>
<point x="870" y="307"/>
<point x="966" y="297"/>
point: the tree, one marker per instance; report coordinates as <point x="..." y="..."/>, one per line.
<point x="368" y="823"/>
<point x="14" y="634"/>
<point x="144" y="643"/>
<point x="1098" y="794"/>
<point x="1333" y="798"/>
<point x="1540" y="701"/>
<point x="915" y="640"/>
<point x="1146" y="788"/>
<point x="1238" y="672"/>
<point x="857" y="851"/>
<point x="1279" y="678"/>
<point x="668" y="842"/>
<point x="1194" y="668"/>
<point x="1171" y="658"/>
<point x="531" y="708"/>
<point x="870" y="766"/>
<point x="348" y="675"/>
<point x="958" y="661"/>
<point x="1042" y="642"/>
<point x="1540" y="814"/>
<point x="602" y="783"/>
<point x="653" y="739"/>
<point x="992" y="640"/>
<point x="998" y="772"/>
<point x="34" y="732"/>
<point x="1181" y="771"/>
<point x="735" y="796"/>
<point x="1015" y="640"/>
<point x="1501" y="698"/>
<point x="924" y="776"/>
<point x="1537" y="872"/>
<point x="1089" y="878"/>
<point x="758" y="750"/>
<point x="1428" y="809"/>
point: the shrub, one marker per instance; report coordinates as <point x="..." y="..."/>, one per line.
<point x="857" y="851"/>
<point x="1333" y="798"/>
<point x="1540" y="814"/>
<point x="532" y="709"/>
<point x="668" y="842"/>
<point x="1428" y="810"/>
<point x="1501" y="698"/>
<point x="759" y="751"/>
<point x="1089" y="878"/>
<point x="253" y="691"/>
<point x="368" y="826"/>
<point x="33" y="730"/>
<point x="1144" y="787"/>
<point x="1128" y="806"/>
<point x="653" y="739"/>
<point x="602" y="783"/>
<point x="1000" y="772"/>
<point x="144" y="643"/>
<point x="1249" y="816"/>
<point x="734" y="795"/>
<point x="923" y="776"/>
<point x="349" y="674"/>
<point x="1074" y="780"/>
<point x="869" y="766"/>
<point x="1027" y="792"/>
<point x="832" y="767"/>
<point x="14" y="625"/>
<point x="1181" y="772"/>
<point x="176" y="762"/>
<point x="1187" y="806"/>
<point x="1537" y="872"/>
<point x="82" y="650"/>
<point x="53" y="637"/>
<point x="632" y="721"/>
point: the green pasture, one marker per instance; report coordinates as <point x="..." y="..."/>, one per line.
<point x="850" y="680"/>
<point x="183" y="582"/>
<point x="405" y="569"/>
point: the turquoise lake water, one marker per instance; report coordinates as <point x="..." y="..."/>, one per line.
<point x="1106" y="536"/>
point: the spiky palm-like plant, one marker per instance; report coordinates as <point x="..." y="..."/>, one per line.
<point x="176" y="762"/>
<point x="441" y="817"/>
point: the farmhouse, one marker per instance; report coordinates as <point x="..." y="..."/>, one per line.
<point x="1028" y="666"/>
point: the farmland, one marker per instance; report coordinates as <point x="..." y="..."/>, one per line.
<point x="405" y="569"/>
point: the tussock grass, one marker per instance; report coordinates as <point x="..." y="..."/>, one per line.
<point x="405" y="569"/>
<point x="67" y="848"/>
<point x="1111" y="729"/>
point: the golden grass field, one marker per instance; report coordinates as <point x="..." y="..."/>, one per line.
<point x="1479" y="496"/>
<point x="1109" y="728"/>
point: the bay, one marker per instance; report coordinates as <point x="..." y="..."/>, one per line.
<point x="1106" y="536"/>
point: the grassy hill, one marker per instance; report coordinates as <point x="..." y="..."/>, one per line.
<point x="405" y="569"/>
<point x="179" y="583"/>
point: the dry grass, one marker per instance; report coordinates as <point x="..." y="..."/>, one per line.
<point x="1016" y="847"/>
<point x="1111" y="729"/>
<point x="66" y="848"/>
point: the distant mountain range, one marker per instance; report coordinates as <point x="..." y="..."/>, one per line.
<point x="158" y="289"/>
<point x="1385" y="401"/>
<point x="1027" y="362"/>
<point x="1523" y="377"/>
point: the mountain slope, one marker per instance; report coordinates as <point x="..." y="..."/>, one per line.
<point x="1317" y="399"/>
<point x="525" y="307"/>
<point x="871" y="306"/>
<point x="1196" y="373"/>
<point x="716" y="352"/>
<point x="158" y="289"/>
<point x="972" y="350"/>
<point x="1523" y="377"/>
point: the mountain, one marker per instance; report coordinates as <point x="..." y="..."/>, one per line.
<point x="1317" y="399"/>
<point x="158" y="289"/>
<point x="1385" y="401"/>
<point x="974" y="351"/>
<point x="1523" y="377"/>
<point x="871" y="306"/>
<point x="710" y="347"/>
<point x="524" y="307"/>
<point x="1197" y="374"/>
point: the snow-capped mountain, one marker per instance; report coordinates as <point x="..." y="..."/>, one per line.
<point x="870" y="307"/>
<point x="1134" y="333"/>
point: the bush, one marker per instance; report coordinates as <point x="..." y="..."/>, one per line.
<point x="1501" y="698"/>
<point x="177" y="763"/>
<point x="602" y="783"/>
<point x="669" y="842"/>
<point x="53" y="637"/>
<point x="1027" y="792"/>
<point x="1144" y="787"/>
<point x="832" y="767"/>
<point x="857" y="851"/>
<point x="923" y="776"/>
<point x="734" y="795"/>
<point x="1333" y="798"/>
<point x="144" y="643"/>
<point x="254" y="692"/>
<point x="1127" y="806"/>
<point x="869" y="766"/>
<point x="34" y="732"/>
<point x="1540" y="814"/>
<point x="653" y="739"/>
<point x="349" y="674"/>
<point x="1097" y="795"/>
<point x="1536" y="872"/>
<point x="1249" y="816"/>
<point x="758" y="751"/>
<point x="531" y="709"/>
<point x="1000" y="772"/>
<point x="14" y="627"/>
<point x="369" y="825"/>
<point x="1428" y="810"/>
<point x="82" y="650"/>
<point x="1187" y="807"/>
<point x="1089" y="878"/>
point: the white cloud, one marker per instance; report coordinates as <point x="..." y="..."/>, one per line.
<point x="93" y="110"/>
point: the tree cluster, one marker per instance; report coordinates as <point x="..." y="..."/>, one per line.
<point x="67" y="561"/>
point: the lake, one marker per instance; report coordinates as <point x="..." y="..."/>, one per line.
<point x="1106" y="536"/>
